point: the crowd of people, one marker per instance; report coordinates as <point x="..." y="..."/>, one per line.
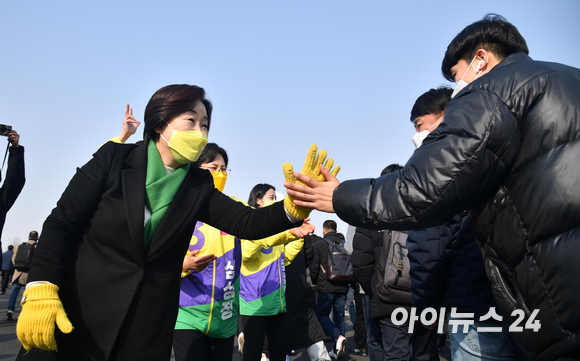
<point x="477" y="231"/>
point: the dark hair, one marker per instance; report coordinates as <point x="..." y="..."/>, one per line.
<point x="329" y="224"/>
<point x="10" y="247"/>
<point x="391" y="168"/>
<point x="432" y="102"/>
<point x="258" y="193"/>
<point x="209" y="154"/>
<point x="169" y="102"/>
<point x="492" y="33"/>
<point x="33" y="235"/>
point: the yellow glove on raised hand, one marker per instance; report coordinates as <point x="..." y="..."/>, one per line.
<point x="41" y="309"/>
<point x="311" y="168"/>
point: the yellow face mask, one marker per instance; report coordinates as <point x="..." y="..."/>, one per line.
<point x="268" y="203"/>
<point x="186" y="145"/>
<point x="219" y="179"/>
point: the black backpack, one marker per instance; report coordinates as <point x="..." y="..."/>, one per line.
<point x="24" y="256"/>
<point x="338" y="266"/>
<point x="392" y="271"/>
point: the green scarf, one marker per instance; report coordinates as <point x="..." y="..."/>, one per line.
<point x="160" y="189"/>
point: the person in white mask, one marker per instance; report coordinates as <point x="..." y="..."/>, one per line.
<point x="427" y="118"/>
<point x="508" y="151"/>
<point x="447" y="269"/>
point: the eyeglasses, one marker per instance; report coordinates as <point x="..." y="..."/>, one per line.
<point x="214" y="168"/>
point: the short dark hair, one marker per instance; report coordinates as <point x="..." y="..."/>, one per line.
<point x="329" y="224"/>
<point x="258" y="193"/>
<point x="492" y="33"/>
<point x="432" y="102"/>
<point x="391" y="168"/>
<point x="10" y="247"/>
<point x="33" y="235"/>
<point x="169" y="102"/>
<point x="209" y="153"/>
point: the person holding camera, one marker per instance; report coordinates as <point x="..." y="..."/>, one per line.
<point x="14" y="175"/>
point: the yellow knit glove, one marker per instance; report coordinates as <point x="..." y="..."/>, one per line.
<point x="311" y="168"/>
<point x="41" y="308"/>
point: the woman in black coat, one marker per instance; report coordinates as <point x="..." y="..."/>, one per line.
<point x="116" y="264"/>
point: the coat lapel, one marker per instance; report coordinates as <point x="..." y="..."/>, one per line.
<point x="133" y="183"/>
<point x="179" y="212"/>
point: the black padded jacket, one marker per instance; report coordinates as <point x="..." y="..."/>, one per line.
<point x="447" y="269"/>
<point x="508" y="150"/>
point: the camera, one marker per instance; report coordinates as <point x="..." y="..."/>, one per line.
<point x="5" y="129"/>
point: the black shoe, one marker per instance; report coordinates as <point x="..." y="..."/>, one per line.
<point x="9" y="316"/>
<point x="359" y="351"/>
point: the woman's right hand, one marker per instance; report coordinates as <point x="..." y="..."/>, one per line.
<point x="198" y="264"/>
<point x="130" y="125"/>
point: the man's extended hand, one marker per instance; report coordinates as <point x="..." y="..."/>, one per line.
<point x="313" y="170"/>
<point x="314" y="194"/>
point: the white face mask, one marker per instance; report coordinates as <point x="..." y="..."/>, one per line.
<point x="419" y="137"/>
<point x="462" y="83"/>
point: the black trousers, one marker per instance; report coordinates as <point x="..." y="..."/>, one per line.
<point x="6" y="277"/>
<point x="189" y="345"/>
<point x="258" y="327"/>
<point x="425" y="343"/>
<point x="360" y="330"/>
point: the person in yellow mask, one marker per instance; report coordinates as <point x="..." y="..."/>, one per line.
<point x="209" y="296"/>
<point x="107" y="269"/>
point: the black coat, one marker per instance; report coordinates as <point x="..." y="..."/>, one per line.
<point x="320" y="259"/>
<point x="12" y="185"/>
<point x="120" y="296"/>
<point x="508" y="150"/>
<point x="367" y="250"/>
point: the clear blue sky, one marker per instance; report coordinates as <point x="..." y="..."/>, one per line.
<point x="281" y="75"/>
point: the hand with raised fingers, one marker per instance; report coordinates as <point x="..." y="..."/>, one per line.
<point x="41" y="311"/>
<point x="130" y="125"/>
<point x="314" y="165"/>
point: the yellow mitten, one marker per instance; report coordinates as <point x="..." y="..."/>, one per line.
<point x="311" y="168"/>
<point x="41" y="309"/>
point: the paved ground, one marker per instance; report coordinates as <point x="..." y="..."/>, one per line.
<point x="9" y="344"/>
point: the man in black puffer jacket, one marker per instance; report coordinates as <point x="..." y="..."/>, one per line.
<point x="507" y="149"/>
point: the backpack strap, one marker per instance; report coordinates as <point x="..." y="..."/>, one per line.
<point x="330" y="243"/>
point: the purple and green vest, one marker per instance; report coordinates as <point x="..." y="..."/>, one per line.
<point x="263" y="283"/>
<point x="208" y="300"/>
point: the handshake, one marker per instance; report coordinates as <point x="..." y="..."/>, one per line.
<point x="313" y="187"/>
